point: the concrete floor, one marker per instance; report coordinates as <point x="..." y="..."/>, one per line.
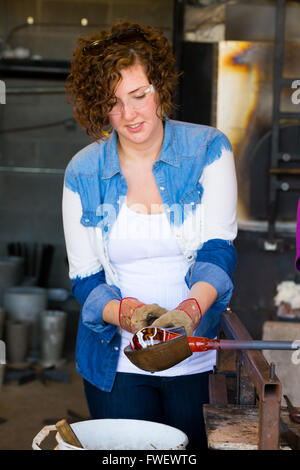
<point x="26" y="407"/>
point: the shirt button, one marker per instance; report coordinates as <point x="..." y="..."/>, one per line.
<point x="102" y="341"/>
<point x="116" y="348"/>
<point x="162" y="188"/>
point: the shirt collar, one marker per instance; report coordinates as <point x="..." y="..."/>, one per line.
<point x="112" y="164"/>
<point x="169" y="152"/>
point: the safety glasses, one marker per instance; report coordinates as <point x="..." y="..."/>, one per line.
<point x="136" y="100"/>
<point x="129" y="36"/>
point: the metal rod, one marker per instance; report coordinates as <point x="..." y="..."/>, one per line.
<point x="34" y="90"/>
<point x="258" y="345"/>
<point x="34" y="171"/>
<point x="285" y="171"/>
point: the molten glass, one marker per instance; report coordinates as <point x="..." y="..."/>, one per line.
<point x="150" y="336"/>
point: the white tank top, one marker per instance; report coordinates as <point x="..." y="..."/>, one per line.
<point x="151" y="267"/>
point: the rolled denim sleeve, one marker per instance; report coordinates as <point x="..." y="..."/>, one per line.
<point x="93" y="293"/>
<point x="89" y="284"/>
<point x="215" y="263"/>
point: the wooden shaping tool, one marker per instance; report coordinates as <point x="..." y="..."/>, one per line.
<point x="67" y="433"/>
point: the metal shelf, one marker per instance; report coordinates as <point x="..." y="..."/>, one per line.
<point x="34" y="68"/>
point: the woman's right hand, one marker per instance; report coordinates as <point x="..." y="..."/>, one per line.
<point x="135" y="315"/>
<point x="144" y="316"/>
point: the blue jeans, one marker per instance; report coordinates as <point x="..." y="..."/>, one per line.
<point x="176" y="401"/>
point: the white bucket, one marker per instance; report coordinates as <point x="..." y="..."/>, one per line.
<point x="119" y="434"/>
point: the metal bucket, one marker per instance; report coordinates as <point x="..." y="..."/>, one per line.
<point x="119" y="434"/>
<point x="17" y="339"/>
<point x="2" y="320"/>
<point x="26" y="304"/>
<point x="52" y="328"/>
<point x="2" y="373"/>
<point x="11" y="273"/>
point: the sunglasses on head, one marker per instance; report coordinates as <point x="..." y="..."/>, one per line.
<point x="125" y="37"/>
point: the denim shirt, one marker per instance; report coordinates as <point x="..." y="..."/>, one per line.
<point x="95" y="175"/>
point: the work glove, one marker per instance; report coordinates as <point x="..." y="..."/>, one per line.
<point x="188" y="314"/>
<point x="135" y="315"/>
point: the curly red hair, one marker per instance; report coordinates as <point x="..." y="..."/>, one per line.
<point x="93" y="79"/>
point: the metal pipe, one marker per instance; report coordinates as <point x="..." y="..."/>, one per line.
<point x="47" y="171"/>
<point x="150" y="336"/>
<point x="34" y="90"/>
<point x="31" y="66"/>
<point x="257" y="344"/>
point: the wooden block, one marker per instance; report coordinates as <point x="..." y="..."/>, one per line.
<point x="287" y="363"/>
<point x="231" y="427"/>
<point x="235" y="427"/>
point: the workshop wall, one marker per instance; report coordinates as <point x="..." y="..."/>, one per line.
<point x="62" y="21"/>
<point x="30" y="195"/>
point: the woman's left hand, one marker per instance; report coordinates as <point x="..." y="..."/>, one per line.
<point x="135" y="315"/>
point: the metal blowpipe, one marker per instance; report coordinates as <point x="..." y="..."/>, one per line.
<point x="237" y="344"/>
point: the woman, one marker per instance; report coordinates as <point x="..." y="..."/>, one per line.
<point x="149" y="219"/>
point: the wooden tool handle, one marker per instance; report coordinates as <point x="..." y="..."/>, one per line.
<point x="67" y="433"/>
